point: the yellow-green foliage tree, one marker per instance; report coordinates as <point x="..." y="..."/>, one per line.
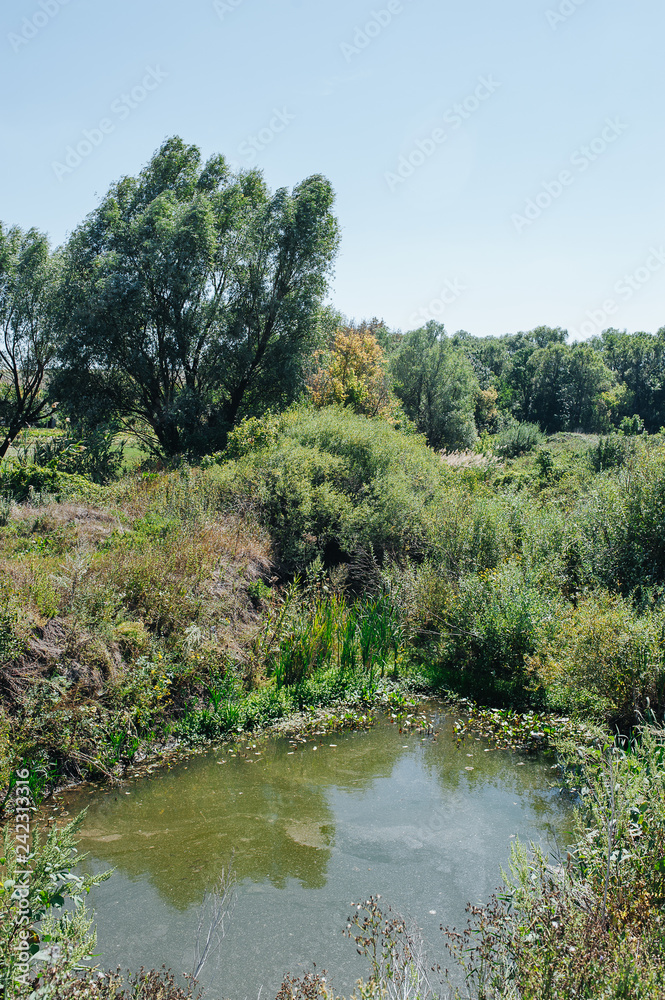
<point x="352" y="372"/>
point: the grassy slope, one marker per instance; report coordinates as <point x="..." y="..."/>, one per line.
<point x="147" y="616"/>
<point x="159" y="606"/>
<point x="162" y="607"/>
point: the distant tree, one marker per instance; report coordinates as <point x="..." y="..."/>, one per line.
<point x="352" y="372"/>
<point x="437" y="386"/>
<point x="493" y="354"/>
<point x="516" y="383"/>
<point x="190" y="298"/>
<point x="540" y="336"/>
<point x="27" y="273"/>
<point x="543" y="336"/>
<point x="566" y="387"/>
<point x="638" y="361"/>
<point x="328" y="321"/>
<point x="544" y="376"/>
<point x="510" y="359"/>
<point x="588" y="380"/>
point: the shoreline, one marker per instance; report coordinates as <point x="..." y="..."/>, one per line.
<point x="503" y="729"/>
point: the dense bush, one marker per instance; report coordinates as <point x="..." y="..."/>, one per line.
<point x="518" y="438"/>
<point x="623" y="522"/>
<point x="610" y="453"/>
<point x="93" y="452"/>
<point x="489" y="626"/>
<point x="606" y="658"/>
<point x="21" y="481"/>
<point x="334" y="484"/>
<point x="631" y="426"/>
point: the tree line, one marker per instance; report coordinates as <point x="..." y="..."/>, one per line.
<point x="455" y="387"/>
<point x="192" y="297"/>
<point x="590" y="386"/>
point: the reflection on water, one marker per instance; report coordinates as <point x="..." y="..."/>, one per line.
<point x="422" y="822"/>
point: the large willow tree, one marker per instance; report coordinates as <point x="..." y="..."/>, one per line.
<point x="27" y="278"/>
<point x="189" y="298"/>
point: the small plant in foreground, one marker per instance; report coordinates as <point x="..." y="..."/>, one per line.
<point x="399" y="966"/>
<point x="34" y="888"/>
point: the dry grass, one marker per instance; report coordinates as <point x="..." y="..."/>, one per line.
<point x="89" y="525"/>
<point x="59" y="648"/>
<point x="467" y="459"/>
<point x="100" y="586"/>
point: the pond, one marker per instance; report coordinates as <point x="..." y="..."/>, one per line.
<point x="309" y="827"/>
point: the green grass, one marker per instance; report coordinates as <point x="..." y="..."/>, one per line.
<point x="331" y="561"/>
<point x="330" y="544"/>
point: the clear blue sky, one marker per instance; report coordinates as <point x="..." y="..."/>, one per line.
<point x="452" y="240"/>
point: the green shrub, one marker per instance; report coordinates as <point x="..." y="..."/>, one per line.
<point x="517" y="439"/>
<point x="631" y="426"/>
<point x="623" y="522"/>
<point x="610" y="453"/>
<point x="607" y="659"/>
<point x="40" y="909"/>
<point x="253" y="433"/>
<point x="472" y="531"/>
<point x="334" y="483"/>
<point x="421" y="592"/>
<point x="23" y="481"/>
<point x="544" y="464"/>
<point x="94" y="452"/>
<point x="490" y="626"/>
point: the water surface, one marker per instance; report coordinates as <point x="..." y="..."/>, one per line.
<point x="309" y="828"/>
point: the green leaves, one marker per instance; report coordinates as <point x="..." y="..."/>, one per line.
<point x="47" y="884"/>
<point x="27" y="276"/>
<point x="334" y="484"/>
<point x="190" y="298"/>
<point x="437" y="387"/>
